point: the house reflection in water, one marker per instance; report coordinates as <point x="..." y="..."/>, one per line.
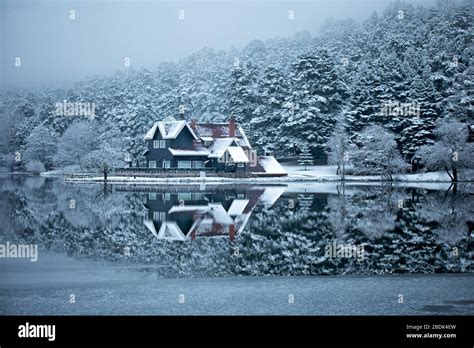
<point x="210" y="211"/>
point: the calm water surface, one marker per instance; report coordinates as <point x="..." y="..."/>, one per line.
<point x="236" y="229"/>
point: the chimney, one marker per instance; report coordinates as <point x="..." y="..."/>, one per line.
<point x="193" y="124"/>
<point x="231" y="232"/>
<point x="232" y="127"/>
<point x="181" y="113"/>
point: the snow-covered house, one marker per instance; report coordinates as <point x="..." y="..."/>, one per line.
<point x="179" y="144"/>
<point x="194" y="145"/>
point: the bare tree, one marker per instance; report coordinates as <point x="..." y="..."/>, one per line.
<point x="338" y="149"/>
<point x="451" y="152"/>
<point x="104" y="160"/>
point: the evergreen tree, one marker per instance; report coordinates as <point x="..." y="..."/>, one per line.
<point x="316" y="97"/>
<point x="264" y="133"/>
<point x="305" y="157"/>
<point x="243" y="91"/>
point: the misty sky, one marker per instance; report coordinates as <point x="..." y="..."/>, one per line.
<point x="55" y="49"/>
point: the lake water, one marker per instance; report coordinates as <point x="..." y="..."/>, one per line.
<point x="296" y="248"/>
<point x="236" y="229"/>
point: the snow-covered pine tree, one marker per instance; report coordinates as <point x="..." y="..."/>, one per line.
<point x="316" y="97"/>
<point x="305" y="157"/>
<point x="273" y="87"/>
<point x="416" y="131"/>
<point x="243" y="94"/>
<point x="363" y="101"/>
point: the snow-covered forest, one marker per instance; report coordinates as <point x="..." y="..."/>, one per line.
<point x="352" y="83"/>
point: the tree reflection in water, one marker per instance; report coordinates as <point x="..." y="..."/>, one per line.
<point x="218" y="230"/>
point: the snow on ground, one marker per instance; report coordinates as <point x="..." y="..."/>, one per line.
<point x="44" y="287"/>
<point x="62" y="171"/>
<point x="310" y="171"/>
<point x="152" y="180"/>
<point x="329" y="173"/>
<point x="432" y="176"/>
<point x="295" y="173"/>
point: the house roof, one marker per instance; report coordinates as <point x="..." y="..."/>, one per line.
<point x="218" y="130"/>
<point x="219" y="214"/>
<point x="207" y="131"/>
<point x="170" y="230"/>
<point x="168" y="129"/>
<point x="237" y="207"/>
<point x="151" y="226"/>
<point x="269" y="165"/>
<point x="271" y="194"/>
<point x="237" y="154"/>
<point x="217" y="133"/>
<point x="179" y="152"/>
<point x="218" y="147"/>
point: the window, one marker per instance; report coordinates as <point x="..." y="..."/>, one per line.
<point x="185" y="196"/>
<point x="167" y="196"/>
<point x="198" y="164"/>
<point x="159" y="144"/>
<point x="240" y="165"/>
<point x="166" y="164"/>
<point x="159" y="216"/>
<point x="184" y="164"/>
<point x="152" y="196"/>
<point x="152" y="164"/>
<point x="197" y="196"/>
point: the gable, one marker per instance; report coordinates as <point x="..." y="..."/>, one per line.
<point x="168" y="130"/>
<point x="187" y="131"/>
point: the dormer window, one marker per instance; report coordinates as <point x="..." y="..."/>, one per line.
<point x="207" y="141"/>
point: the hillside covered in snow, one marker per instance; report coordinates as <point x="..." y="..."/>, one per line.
<point x="287" y="93"/>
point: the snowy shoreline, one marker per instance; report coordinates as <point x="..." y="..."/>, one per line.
<point x="151" y="180"/>
<point x="295" y="174"/>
